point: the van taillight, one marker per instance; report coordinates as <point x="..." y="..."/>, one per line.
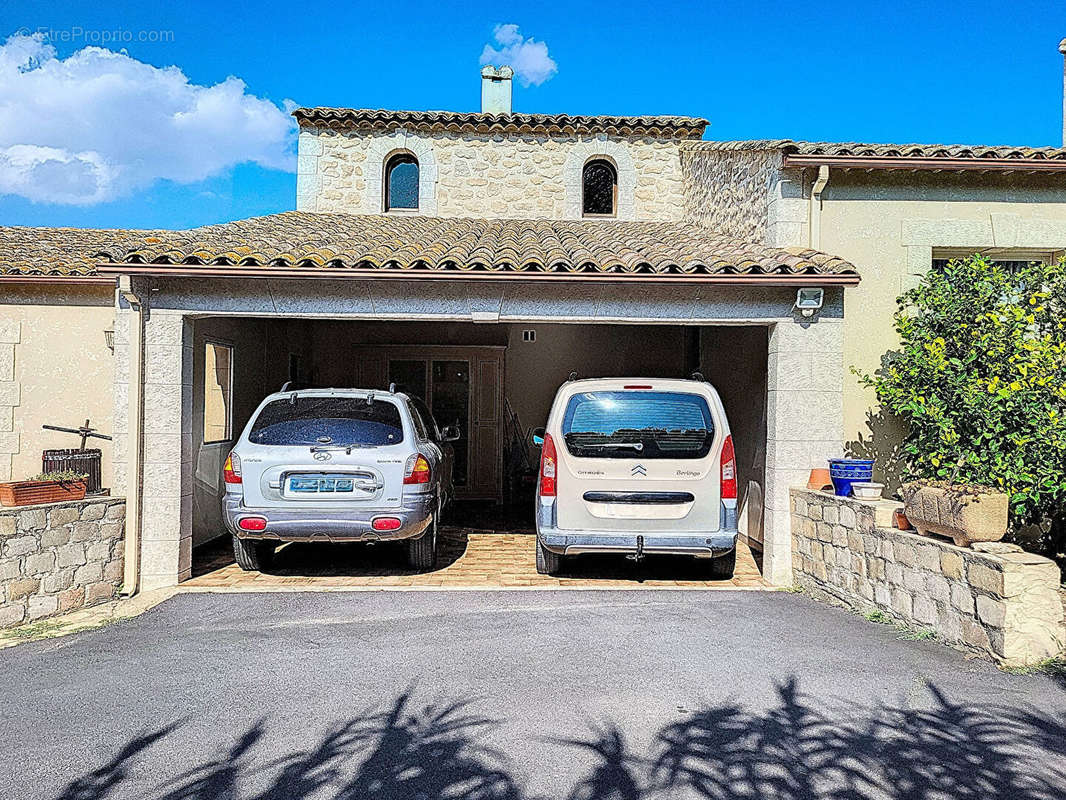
<point x="416" y="471"/>
<point x="729" y="470"/>
<point x="548" y="467"/>
<point x="231" y="472"/>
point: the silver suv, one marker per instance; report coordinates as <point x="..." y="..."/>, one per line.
<point x="338" y="465"/>
<point x="637" y="466"/>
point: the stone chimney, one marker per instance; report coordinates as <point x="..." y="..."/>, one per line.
<point x="496" y="89"/>
<point x="1062" y="49"/>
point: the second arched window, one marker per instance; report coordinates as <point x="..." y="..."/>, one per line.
<point x="599" y="189"/>
<point x="401" y="183"/>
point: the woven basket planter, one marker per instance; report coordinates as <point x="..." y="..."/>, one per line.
<point x="965" y="516"/>
<point x="30" y="493"/>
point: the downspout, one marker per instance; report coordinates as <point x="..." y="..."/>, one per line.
<point x="134" y="437"/>
<point x="814" y="217"/>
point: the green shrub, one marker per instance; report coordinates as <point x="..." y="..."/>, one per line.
<point x="63" y="476"/>
<point x="980" y="380"/>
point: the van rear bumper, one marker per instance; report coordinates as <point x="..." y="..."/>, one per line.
<point x="701" y="545"/>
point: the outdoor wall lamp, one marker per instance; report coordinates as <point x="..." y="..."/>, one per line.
<point x="809" y="300"/>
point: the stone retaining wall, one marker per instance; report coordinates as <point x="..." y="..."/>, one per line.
<point x="1003" y="604"/>
<point x="58" y="557"/>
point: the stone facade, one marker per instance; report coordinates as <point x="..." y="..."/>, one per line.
<point x="521" y="176"/>
<point x="1006" y="605"/>
<point x="58" y="557"/>
<point x="730" y="190"/>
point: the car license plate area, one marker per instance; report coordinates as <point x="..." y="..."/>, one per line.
<point x="323" y="485"/>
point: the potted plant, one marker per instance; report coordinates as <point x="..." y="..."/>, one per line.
<point x="965" y="512"/>
<point x="48" y="487"/>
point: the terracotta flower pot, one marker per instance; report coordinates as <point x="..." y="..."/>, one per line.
<point x="819" y="480"/>
<point x="966" y="515"/>
<point x="28" y="493"/>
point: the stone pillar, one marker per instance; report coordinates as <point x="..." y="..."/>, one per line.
<point x="10" y="394"/>
<point x="804" y="424"/>
<point x="166" y="527"/>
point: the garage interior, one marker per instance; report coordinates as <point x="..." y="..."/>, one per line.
<point x="495" y="380"/>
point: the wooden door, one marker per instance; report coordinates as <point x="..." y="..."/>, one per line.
<point x="464" y="386"/>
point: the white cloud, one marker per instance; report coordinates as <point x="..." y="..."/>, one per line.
<point x="528" y="57"/>
<point x="99" y="125"/>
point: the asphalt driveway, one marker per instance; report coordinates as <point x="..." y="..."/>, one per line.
<point x="482" y="695"/>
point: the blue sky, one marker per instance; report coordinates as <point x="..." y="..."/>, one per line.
<point x="974" y="72"/>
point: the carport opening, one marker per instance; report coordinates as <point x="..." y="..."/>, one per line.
<point x="495" y="381"/>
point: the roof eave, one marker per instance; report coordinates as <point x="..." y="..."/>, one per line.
<point x="360" y="273"/>
<point x="914" y="163"/>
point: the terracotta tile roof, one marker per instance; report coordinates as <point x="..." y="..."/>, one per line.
<point x="55" y="251"/>
<point x="415" y="243"/>
<point x="453" y="121"/>
<point x="964" y="151"/>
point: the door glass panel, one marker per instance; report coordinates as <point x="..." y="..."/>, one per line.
<point x="409" y="377"/>
<point x="451" y="406"/>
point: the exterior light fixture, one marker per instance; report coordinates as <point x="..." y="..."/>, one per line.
<point x="809" y="300"/>
<point x="109" y="338"/>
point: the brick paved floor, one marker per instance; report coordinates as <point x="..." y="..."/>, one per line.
<point x="468" y="559"/>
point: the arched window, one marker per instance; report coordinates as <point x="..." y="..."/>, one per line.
<point x="599" y="189"/>
<point x="401" y="182"/>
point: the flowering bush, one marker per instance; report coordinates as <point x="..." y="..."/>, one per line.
<point x="980" y="380"/>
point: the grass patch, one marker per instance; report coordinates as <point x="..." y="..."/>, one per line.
<point x="1055" y="667"/>
<point x="36" y="630"/>
<point x="793" y="589"/>
<point x="878" y="616"/>
<point x="916" y="634"/>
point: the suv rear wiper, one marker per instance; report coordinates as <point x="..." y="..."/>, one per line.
<point x="347" y="448"/>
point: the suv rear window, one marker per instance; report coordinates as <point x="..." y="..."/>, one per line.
<point x="638" y="424"/>
<point x="328" y="420"/>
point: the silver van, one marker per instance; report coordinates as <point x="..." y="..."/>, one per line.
<point x="639" y="466"/>
<point x="338" y="465"/>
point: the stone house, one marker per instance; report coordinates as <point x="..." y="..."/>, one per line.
<point x="479" y="258"/>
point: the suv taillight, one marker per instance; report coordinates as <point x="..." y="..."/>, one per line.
<point x="416" y="471"/>
<point x="729" y="470"/>
<point x="548" y="467"/>
<point x="231" y="472"/>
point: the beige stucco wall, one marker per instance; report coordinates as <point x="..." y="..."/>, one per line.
<point x="484" y="175"/>
<point x="55" y="368"/>
<point x="889" y="225"/>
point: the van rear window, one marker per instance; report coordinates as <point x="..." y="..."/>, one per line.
<point x="328" y="420"/>
<point x="638" y="424"/>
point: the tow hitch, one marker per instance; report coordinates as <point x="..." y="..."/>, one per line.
<point x="639" y="555"/>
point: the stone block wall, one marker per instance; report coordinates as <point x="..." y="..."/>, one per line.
<point x="1003" y="604"/>
<point x="59" y="557"/>
<point x="466" y="174"/>
<point x="729" y="190"/>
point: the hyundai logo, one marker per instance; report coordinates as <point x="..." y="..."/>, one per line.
<point x="322" y="456"/>
<point x="639" y="469"/>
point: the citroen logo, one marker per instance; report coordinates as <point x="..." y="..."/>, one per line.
<point x="639" y="469"/>
<point x="322" y="456"/>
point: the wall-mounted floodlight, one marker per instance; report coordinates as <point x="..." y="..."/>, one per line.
<point x="809" y="300"/>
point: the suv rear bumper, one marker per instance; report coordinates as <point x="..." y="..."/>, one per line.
<point x="331" y="525"/>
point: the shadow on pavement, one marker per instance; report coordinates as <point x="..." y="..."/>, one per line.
<point x="798" y="749"/>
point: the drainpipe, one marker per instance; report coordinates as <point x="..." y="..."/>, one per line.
<point x="1062" y="49"/>
<point x="134" y="437"/>
<point x="814" y="217"/>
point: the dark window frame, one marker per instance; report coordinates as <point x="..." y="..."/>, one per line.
<point x="394" y="161"/>
<point x="595" y="163"/>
